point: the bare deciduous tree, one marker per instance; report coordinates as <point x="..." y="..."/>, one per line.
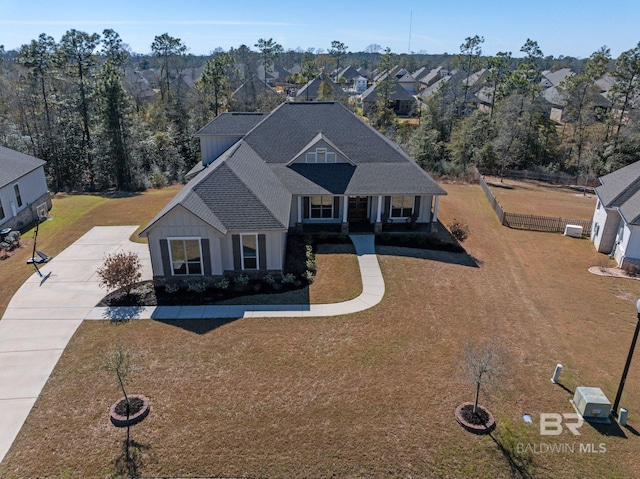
<point x="483" y="366"/>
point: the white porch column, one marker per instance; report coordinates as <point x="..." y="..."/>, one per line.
<point x="299" y="209"/>
<point x="435" y="209"/>
<point x="345" y="208"/>
<point x="379" y="212"/>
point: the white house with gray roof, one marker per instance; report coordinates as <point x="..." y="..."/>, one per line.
<point x="304" y="164"/>
<point x="616" y="220"/>
<point x="24" y="195"/>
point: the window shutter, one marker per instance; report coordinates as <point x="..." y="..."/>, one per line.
<point x="305" y="206"/>
<point x="262" y="252"/>
<point x="206" y="256"/>
<point x="166" y="260"/>
<point x="336" y="207"/>
<point x="416" y="206"/>
<point x="387" y="206"/>
<point x="237" y="259"/>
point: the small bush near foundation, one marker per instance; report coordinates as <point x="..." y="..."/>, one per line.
<point x="631" y="269"/>
<point x="459" y="230"/>
<point x="197" y="285"/>
<point x="241" y="279"/>
<point x="288" y="278"/>
<point x="121" y="270"/>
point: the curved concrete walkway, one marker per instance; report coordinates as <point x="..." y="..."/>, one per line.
<point x="45" y="312"/>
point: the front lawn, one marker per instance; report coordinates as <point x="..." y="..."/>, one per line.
<point x="365" y="395"/>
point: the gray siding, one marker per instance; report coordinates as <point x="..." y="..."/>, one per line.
<point x="33" y="191"/>
<point x="214" y="146"/>
<point x="179" y="223"/>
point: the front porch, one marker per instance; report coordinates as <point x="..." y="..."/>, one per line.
<point x="356" y="227"/>
<point x="344" y="214"/>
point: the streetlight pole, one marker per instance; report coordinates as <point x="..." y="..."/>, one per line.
<point x="616" y="403"/>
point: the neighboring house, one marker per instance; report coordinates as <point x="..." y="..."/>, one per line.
<point x="276" y="75"/>
<point x="550" y="79"/>
<point x="360" y="84"/>
<point x="557" y="98"/>
<point x="247" y="96"/>
<point x="433" y="88"/>
<point x="402" y="102"/>
<point x="430" y="77"/>
<point x="616" y="220"/>
<point x="139" y="87"/>
<point x="24" y="196"/>
<point x="311" y="91"/>
<point x="305" y="163"/>
<point x="349" y="74"/>
<point x="409" y="83"/>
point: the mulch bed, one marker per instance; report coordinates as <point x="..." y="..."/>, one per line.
<point x="479" y="422"/>
<point x="146" y="293"/>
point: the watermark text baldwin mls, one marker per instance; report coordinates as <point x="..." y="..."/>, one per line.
<point x="560" y="448"/>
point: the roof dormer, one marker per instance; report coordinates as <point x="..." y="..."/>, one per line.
<point x="320" y="150"/>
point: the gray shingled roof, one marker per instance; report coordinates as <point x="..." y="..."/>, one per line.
<point x="556" y="77"/>
<point x="222" y="194"/>
<point x="14" y="165"/>
<point x="312" y="88"/>
<point x="621" y="190"/>
<point x="231" y="124"/>
<point x="250" y="186"/>
<point x="293" y="125"/>
<point x="396" y="92"/>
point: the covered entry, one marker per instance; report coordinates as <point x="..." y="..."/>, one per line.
<point x="358" y="208"/>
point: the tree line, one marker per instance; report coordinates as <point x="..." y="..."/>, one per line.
<point x="513" y="128"/>
<point x="77" y="103"/>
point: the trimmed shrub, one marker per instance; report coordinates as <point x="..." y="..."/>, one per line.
<point x="121" y="270"/>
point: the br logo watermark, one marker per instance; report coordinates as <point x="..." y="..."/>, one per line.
<point x="552" y="424"/>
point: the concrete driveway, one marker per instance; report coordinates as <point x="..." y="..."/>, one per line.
<point x="44" y="314"/>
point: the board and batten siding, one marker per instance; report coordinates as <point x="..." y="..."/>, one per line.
<point x="275" y="245"/>
<point x="212" y="147"/>
<point x="180" y="223"/>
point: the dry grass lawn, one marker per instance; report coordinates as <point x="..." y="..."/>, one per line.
<point x="543" y="199"/>
<point x="365" y="395"/>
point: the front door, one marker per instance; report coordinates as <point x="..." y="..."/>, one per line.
<point x="358" y="208"/>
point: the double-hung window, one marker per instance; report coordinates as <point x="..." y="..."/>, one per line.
<point x="2" y="215"/>
<point x="321" y="207"/>
<point x="16" y="190"/>
<point x="186" y="256"/>
<point x="249" y="245"/>
<point x="402" y="206"/>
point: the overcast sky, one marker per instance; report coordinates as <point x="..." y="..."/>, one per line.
<point x="561" y="27"/>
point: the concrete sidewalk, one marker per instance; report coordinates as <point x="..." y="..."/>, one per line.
<point x="372" y="293"/>
<point x="45" y="312"/>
